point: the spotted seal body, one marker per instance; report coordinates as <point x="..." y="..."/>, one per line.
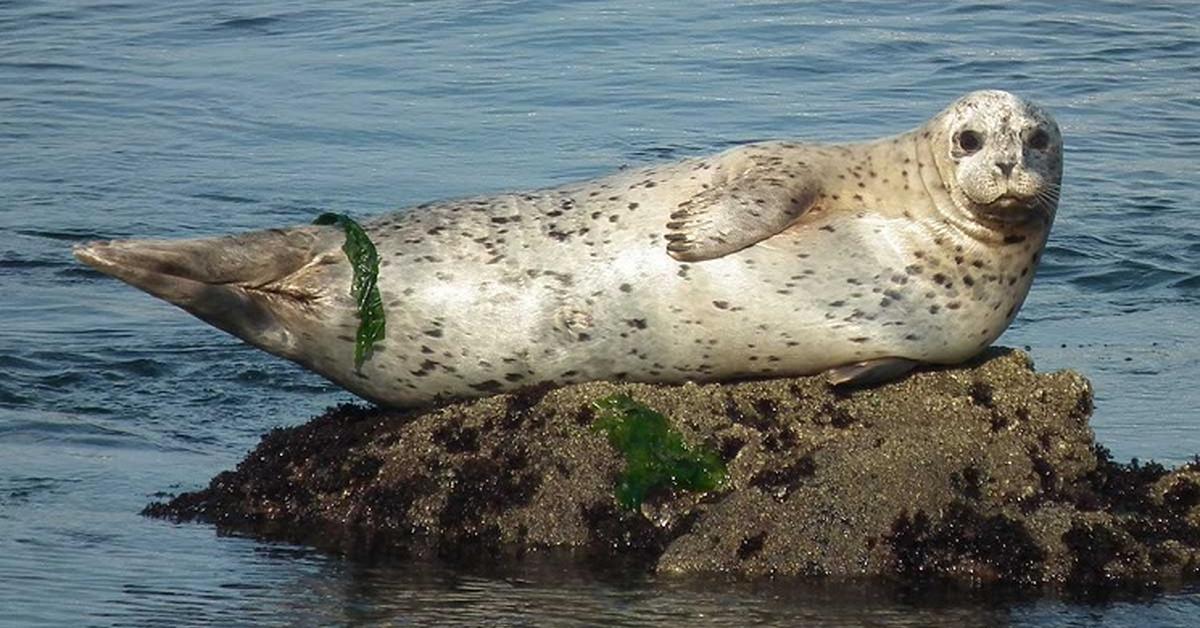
<point x="772" y="258"/>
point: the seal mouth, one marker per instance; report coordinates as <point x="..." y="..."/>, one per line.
<point x="1010" y="201"/>
<point x="1011" y="209"/>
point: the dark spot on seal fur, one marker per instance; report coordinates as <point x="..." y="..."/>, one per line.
<point x="489" y="386"/>
<point x="426" y="367"/>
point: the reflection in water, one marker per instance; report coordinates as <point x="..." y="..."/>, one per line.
<point x="548" y="591"/>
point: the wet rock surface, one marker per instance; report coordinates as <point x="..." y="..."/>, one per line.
<point x="986" y="473"/>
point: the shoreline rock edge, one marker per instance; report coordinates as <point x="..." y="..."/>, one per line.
<point x="985" y="473"/>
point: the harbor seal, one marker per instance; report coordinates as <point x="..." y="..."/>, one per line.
<point x="768" y="259"/>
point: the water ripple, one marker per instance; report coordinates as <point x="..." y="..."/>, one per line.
<point x="251" y="23"/>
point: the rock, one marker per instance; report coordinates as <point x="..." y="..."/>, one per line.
<point x="986" y="472"/>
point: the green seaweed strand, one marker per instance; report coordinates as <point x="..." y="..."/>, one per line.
<point x="655" y="453"/>
<point x="364" y="259"/>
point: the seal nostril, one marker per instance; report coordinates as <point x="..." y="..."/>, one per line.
<point x="1006" y="167"/>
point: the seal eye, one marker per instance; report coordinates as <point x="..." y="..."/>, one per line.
<point x="970" y="141"/>
<point x="1039" y="140"/>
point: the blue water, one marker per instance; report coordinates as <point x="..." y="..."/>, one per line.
<point x="197" y="118"/>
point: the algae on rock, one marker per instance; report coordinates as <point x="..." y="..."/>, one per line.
<point x="656" y="457"/>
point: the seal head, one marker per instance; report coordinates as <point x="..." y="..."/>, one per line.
<point x="1001" y="159"/>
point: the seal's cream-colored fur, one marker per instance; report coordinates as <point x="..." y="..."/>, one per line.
<point x="775" y="258"/>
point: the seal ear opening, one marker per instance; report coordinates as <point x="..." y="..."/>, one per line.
<point x="223" y="281"/>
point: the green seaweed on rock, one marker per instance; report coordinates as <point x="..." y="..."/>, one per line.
<point x="655" y="453"/>
<point x="364" y="259"/>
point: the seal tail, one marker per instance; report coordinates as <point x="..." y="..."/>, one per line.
<point x="236" y="283"/>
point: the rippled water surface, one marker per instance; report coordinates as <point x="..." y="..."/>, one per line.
<point x="198" y="118"/>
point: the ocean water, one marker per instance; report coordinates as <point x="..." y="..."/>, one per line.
<point x="124" y="119"/>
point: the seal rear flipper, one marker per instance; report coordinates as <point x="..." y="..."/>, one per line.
<point x="869" y="372"/>
<point x="248" y="285"/>
<point x="739" y="210"/>
<point x="259" y="257"/>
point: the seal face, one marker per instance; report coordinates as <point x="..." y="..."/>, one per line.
<point x="1004" y="161"/>
<point x="773" y="258"/>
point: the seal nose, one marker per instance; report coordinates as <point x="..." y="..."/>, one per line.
<point x="1006" y="167"/>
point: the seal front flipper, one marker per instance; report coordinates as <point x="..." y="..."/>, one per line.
<point x="869" y="372"/>
<point x="748" y="202"/>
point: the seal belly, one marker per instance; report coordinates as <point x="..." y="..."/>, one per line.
<point x="492" y="294"/>
<point x="489" y="295"/>
<point x="771" y="310"/>
<point x="861" y="289"/>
